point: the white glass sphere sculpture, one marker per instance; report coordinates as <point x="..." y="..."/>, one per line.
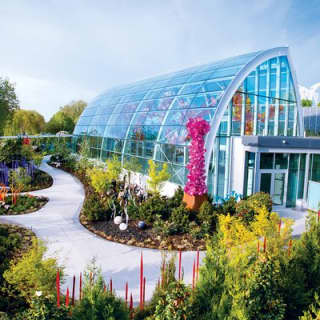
<point x="117" y="220"/>
<point x="123" y="226"/>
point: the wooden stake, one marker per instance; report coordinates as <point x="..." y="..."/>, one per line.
<point x="280" y="222"/>
<point x="111" y="285"/>
<point x="265" y="244"/>
<point x="258" y="247"/>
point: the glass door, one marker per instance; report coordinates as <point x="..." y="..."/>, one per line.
<point x="279" y="180"/>
<point x="274" y="182"/>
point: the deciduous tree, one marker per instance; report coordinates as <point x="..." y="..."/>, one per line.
<point x="8" y="102"/>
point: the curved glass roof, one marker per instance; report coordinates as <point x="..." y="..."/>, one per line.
<point x="158" y="108"/>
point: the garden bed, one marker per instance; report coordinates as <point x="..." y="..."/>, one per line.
<point x="146" y="238"/>
<point x="24" y="204"/>
<point x="41" y="180"/>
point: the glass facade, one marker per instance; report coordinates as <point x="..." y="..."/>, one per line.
<point x="311" y="116"/>
<point x="147" y="119"/>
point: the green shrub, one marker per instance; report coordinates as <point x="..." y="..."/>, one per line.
<point x="158" y="174"/>
<point x="32" y="272"/>
<point x="19" y="178"/>
<point x="313" y="312"/>
<point x="176" y="200"/>
<point x="264" y="199"/>
<point x="199" y="232"/>
<point x="45" y="308"/>
<point x="9" y="244"/>
<point x="168" y="271"/>
<point x="164" y="228"/>
<point x="247" y="209"/>
<point x="133" y="210"/>
<point x="180" y="219"/>
<point x="10" y="150"/>
<point x="301" y="275"/>
<point x="97" y="303"/>
<point x="155" y="205"/>
<point x="208" y="216"/>
<point x="175" y="305"/>
<point x="229" y="206"/>
<point x="95" y="209"/>
<point x="260" y="298"/>
<point x="4" y="316"/>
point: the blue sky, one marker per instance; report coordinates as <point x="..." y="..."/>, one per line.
<point x="57" y="51"/>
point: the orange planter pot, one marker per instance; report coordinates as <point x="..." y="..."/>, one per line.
<point x="194" y="202"/>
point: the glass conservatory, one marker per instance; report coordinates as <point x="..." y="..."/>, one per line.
<point x="249" y="95"/>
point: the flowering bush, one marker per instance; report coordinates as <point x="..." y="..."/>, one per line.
<point x="197" y="129"/>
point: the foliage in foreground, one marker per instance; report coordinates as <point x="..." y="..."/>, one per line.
<point x="45" y="308"/>
<point x="33" y="273"/>
<point x="98" y="303"/>
<point x="237" y="282"/>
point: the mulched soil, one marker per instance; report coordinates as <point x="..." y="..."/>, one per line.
<point x="134" y="236"/>
<point x="146" y="238"/>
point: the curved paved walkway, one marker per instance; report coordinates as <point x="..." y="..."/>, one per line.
<point x="58" y="224"/>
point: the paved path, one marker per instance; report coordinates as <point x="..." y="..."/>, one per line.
<point x="58" y="224"/>
<point x="299" y="216"/>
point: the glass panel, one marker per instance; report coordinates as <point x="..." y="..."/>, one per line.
<point x="249" y="115"/>
<point x="266" y="161"/>
<point x="153" y="118"/>
<point x="265" y="182"/>
<point x="281" y="161"/>
<point x="173" y="135"/>
<point x="192" y="88"/>
<point x="236" y="113"/>
<point x="282" y="117"/>
<point x="301" y="175"/>
<point x="182" y="102"/>
<point x="292" y="188"/>
<point x="206" y="114"/>
<point x="315" y="174"/>
<point x="221" y="165"/>
<point x="261" y="116"/>
<point x="278" y="188"/>
<point x="272" y="112"/>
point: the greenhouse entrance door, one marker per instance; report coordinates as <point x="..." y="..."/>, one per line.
<point x="274" y="182"/>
